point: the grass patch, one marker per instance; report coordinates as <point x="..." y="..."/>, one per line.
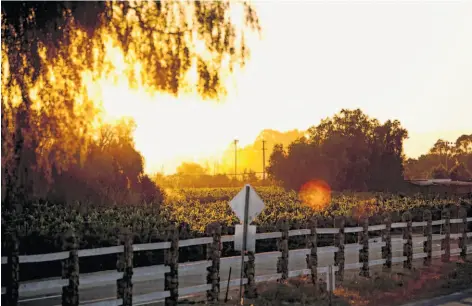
<point x="382" y="288"/>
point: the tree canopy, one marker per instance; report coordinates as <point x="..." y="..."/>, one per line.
<point x="165" y="37"/>
<point x="439" y="172"/>
<point x="53" y="51"/>
<point x="348" y="151"/>
<point x="351" y="151"/>
<point x="194" y="175"/>
<point x="460" y="173"/>
<point x="444" y="160"/>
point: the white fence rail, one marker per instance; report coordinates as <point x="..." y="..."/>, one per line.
<point x="371" y="246"/>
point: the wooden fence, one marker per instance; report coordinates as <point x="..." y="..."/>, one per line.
<point x="125" y="275"/>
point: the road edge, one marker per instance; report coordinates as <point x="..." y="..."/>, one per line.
<point x="441" y="299"/>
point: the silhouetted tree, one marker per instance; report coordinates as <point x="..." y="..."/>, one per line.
<point x="460" y="173"/>
<point x="276" y="169"/>
<point x="112" y="172"/>
<point x="387" y="157"/>
<point x="348" y="151"/>
<point x="150" y="192"/>
<point x="47" y="116"/>
<point x="439" y="172"/>
<point x="460" y="153"/>
<point x="464" y="144"/>
<point x="187" y="168"/>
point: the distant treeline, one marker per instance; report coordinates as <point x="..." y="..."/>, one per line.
<point x="351" y="151"/>
<point x="444" y="160"/>
<point x="108" y="171"/>
<point x="193" y="175"/>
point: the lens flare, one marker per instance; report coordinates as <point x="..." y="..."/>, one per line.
<point x="315" y="194"/>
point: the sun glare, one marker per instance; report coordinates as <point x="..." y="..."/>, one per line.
<point x="316" y="194"/>
<point x="168" y="129"/>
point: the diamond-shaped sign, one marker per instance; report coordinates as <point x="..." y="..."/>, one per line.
<point x="255" y="204"/>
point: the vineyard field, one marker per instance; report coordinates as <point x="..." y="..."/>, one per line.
<point x="41" y="226"/>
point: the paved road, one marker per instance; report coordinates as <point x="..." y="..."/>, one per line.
<point x="463" y="298"/>
<point x="197" y="276"/>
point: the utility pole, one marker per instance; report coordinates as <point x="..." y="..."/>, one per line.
<point x="263" y="160"/>
<point x="236" y="158"/>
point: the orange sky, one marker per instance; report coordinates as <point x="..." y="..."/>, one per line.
<point x="406" y="61"/>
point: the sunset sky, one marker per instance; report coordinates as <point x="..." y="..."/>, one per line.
<point x="406" y="61"/>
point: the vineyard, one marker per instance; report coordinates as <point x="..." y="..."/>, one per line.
<point x="41" y="226"/>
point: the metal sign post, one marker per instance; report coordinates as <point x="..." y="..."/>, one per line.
<point x="243" y="252"/>
<point x="246" y="205"/>
<point x="227" y="285"/>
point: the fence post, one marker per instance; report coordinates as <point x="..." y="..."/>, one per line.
<point x="214" y="254"/>
<point x="70" y="270"/>
<point x="124" y="264"/>
<point x="171" y="281"/>
<point x="312" y="258"/>
<point x="282" y="262"/>
<point x="364" y="252"/>
<point x="446" y="242"/>
<point x="249" y="273"/>
<point x="128" y="269"/>
<point x="120" y="267"/>
<point x="387" y="238"/>
<point x="428" y="232"/>
<point x="13" y="263"/>
<point x="463" y="230"/>
<point x="454" y="214"/>
<point x="408" y="246"/>
<point x="339" y="222"/>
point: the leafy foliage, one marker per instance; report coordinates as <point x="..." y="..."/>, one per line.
<point x="163" y="36"/>
<point x="439" y="172"/>
<point x="54" y="52"/>
<point x="43" y="223"/>
<point x="460" y="173"/>
<point x="456" y="158"/>
<point x="349" y="151"/>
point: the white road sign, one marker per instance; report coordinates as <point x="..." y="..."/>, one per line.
<point x="239" y="236"/>
<point x="255" y="204"/>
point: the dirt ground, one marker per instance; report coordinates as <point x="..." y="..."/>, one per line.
<point x="397" y="287"/>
